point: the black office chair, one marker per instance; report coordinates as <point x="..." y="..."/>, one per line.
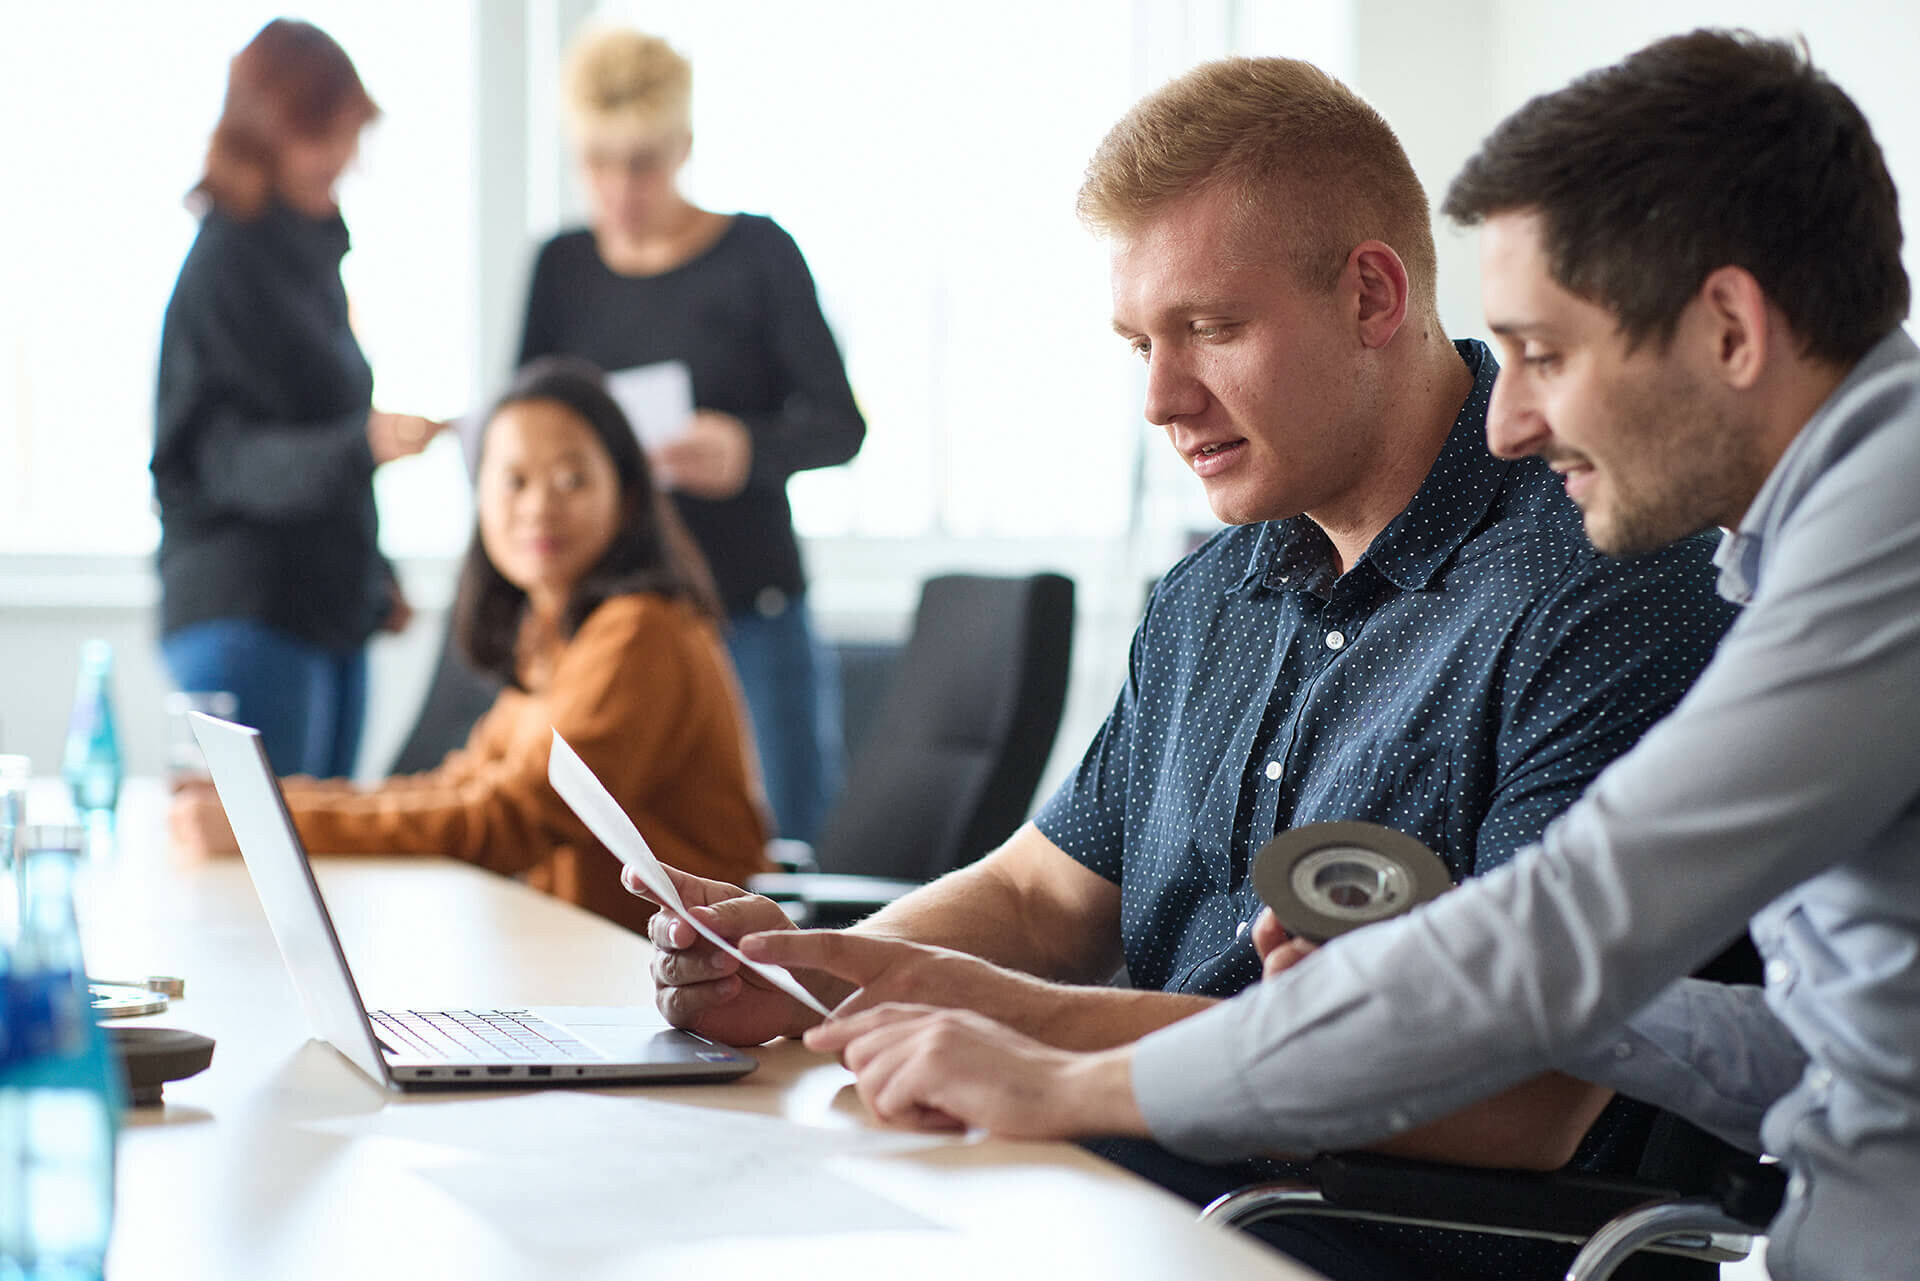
<point x="948" y="766"/>
<point x="1693" y="1195"/>
<point x="457" y="697"/>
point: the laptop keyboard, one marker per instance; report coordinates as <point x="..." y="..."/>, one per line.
<point x="497" y="1036"/>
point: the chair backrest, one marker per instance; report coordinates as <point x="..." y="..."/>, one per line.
<point x="866" y="672"/>
<point x="457" y="697"/>
<point x="949" y="766"/>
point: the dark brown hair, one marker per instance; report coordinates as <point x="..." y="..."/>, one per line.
<point x="651" y="550"/>
<point x="291" y="81"/>
<point x="1303" y="151"/>
<point x="1703" y="151"/>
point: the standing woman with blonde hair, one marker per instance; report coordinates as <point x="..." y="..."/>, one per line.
<point x="265" y="435"/>
<point x="657" y="278"/>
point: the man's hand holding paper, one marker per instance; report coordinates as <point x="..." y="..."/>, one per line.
<point x="887" y="971"/>
<point x="704" y="988"/>
<point x="589" y="799"/>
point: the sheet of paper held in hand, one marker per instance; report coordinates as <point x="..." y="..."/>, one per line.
<point x="657" y="399"/>
<point x="589" y="798"/>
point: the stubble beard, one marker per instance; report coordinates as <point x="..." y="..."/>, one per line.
<point x="1691" y="458"/>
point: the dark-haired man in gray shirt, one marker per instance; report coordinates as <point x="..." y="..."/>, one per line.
<point x="1692" y="263"/>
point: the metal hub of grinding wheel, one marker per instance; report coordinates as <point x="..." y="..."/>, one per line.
<point x="1324" y="879"/>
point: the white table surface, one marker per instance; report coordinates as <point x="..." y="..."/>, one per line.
<point x="229" y="1178"/>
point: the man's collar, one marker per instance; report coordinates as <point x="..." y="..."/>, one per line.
<point x="1445" y="510"/>
<point x="1742" y="550"/>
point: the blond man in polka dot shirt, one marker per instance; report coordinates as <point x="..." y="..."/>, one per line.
<point x="1397" y="626"/>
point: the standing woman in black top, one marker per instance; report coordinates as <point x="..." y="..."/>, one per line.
<point x="265" y="436"/>
<point x="657" y="278"/>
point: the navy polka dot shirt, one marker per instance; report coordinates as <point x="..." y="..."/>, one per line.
<point x="1463" y="682"/>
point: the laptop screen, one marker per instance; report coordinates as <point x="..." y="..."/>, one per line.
<point x="289" y="895"/>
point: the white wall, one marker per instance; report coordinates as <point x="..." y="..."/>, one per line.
<point x="1445" y="75"/>
<point x="52" y="604"/>
<point x="865" y="590"/>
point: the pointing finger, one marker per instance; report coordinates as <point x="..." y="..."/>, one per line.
<point x="856" y="958"/>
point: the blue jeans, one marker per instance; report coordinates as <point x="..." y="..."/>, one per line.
<point x="308" y="703"/>
<point x="792" y="685"/>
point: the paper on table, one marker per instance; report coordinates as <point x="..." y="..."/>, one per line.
<point x="568" y="1170"/>
<point x="588" y="798"/>
<point x="657" y="399"/>
<point x="554" y="1124"/>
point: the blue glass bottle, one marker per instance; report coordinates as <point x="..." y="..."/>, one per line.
<point x="16" y="775"/>
<point x="60" y="1088"/>
<point x="91" y="765"/>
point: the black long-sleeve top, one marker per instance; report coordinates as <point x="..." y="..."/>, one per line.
<point x="260" y="459"/>
<point x="745" y="319"/>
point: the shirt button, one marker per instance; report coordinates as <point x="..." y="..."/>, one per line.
<point x="1242" y="931"/>
<point x="770" y="602"/>
<point x="1273" y="769"/>
<point x="1820" y="1081"/>
<point x="1622" y="1050"/>
<point x="1335" y="640"/>
<point x="1779" y="972"/>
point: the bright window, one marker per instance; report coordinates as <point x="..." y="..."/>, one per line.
<point x="925" y="157"/>
<point x="109" y="110"/>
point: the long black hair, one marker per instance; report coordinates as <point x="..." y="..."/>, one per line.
<point x="651" y="550"/>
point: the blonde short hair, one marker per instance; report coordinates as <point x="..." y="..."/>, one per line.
<point x="1305" y="152"/>
<point x="623" y="89"/>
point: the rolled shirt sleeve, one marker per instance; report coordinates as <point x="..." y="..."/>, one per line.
<point x="1712" y="1052"/>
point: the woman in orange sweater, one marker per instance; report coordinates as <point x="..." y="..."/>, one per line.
<point x="583" y="593"/>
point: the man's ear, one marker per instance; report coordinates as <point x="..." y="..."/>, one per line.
<point x="1736" y="325"/>
<point x="1379" y="279"/>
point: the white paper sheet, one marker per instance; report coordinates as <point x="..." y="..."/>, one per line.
<point x="572" y="1170"/>
<point x="611" y="1206"/>
<point x="589" y="798"/>
<point x="466" y="429"/>
<point x="657" y="399"/>
<point x="556" y="1123"/>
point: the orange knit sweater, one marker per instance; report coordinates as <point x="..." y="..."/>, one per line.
<point x="644" y="692"/>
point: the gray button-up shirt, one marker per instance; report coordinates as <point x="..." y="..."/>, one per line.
<point x="1785" y="788"/>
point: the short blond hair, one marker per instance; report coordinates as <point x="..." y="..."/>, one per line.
<point x="625" y="88"/>
<point x="1305" y="152"/>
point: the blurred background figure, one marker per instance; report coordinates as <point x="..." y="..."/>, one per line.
<point x="656" y="278"/>
<point x="582" y="592"/>
<point x="265" y="437"/>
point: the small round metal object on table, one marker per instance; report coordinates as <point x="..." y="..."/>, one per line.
<point x="1324" y="879"/>
<point x="124" y="1000"/>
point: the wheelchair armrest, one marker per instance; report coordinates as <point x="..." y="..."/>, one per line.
<point x="791" y="856"/>
<point x="823" y="900"/>
<point x="1751" y="1192"/>
<point x="1560" y="1202"/>
<point x="1609" y="1218"/>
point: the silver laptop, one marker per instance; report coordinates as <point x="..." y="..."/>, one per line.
<point x="427" y="1049"/>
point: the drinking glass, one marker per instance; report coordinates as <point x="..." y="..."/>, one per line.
<point x="185" y="762"/>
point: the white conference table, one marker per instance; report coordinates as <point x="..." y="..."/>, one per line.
<point x="282" y="1161"/>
